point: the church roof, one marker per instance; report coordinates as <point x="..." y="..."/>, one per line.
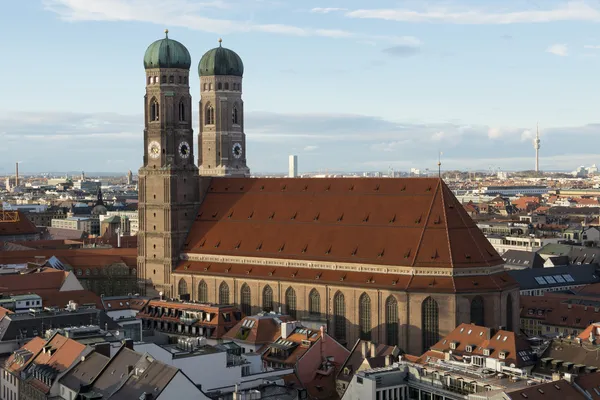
<point x="411" y="222"/>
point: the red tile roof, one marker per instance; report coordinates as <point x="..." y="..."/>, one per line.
<point x="409" y="222"/>
<point x="31" y="283"/>
<point x="264" y="329"/>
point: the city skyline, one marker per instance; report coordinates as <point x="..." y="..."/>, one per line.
<point x="85" y="82"/>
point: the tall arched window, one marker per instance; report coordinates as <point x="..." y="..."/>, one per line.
<point x="181" y="110"/>
<point x="290" y="302"/>
<point x="391" y="320"/>
<point x="203" y="292"/>
<point x="183" y="289"/>
<point x="224" y="293"/>
<point x="477" y="311"/>
<point x="314" y="303"/>
<point x="430" y="323"/>
<point x="154" y="110"/>
<point x="210" y="115"/>
<point x="267" y="299"/>
<point x="234" y="116"/>
<point x="245" y="299"/>
<point x="219" y="86"/>
<point x="226" y="85"/>
<point x="339" y="316"/>
<point x="509" y="313"/>
<point x="364" y="316"/>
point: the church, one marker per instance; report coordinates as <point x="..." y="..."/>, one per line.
<point x="395" y="261"/>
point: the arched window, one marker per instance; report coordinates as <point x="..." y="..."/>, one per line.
<point x="314" y="302"/>
<point x="509" y="313"/>
<point x="149" y="80"/>
<point x="234" y="115"/>
<point x="339" y="316"/>
<point x="290" y="302"/>
<point x="203" y="292"/>
<point x="79" y="272"/>
<point x="205" y="86"/>
<point x="245" y="299"/>
<point x="364" y="316"/>
<point x="210" y="86"/>
<point x="185" y="80"/>
<point x="430" y="323"/>
<point x="180" y="79"/>
<point x="224" y="293"/>
<point x="181" y="110"/>
<point x="210" y="115"/>
<point x="391" y="320"/>
<point x="267" y="300"/>
<point x="154" y="110"/>
<point x="182" y="287"/>
<point x="226" y="85"/>
<point x="219" y="86"/>
<point x="87" y="272"/>
<point x="163" y="79"/>
<point x="477" y="311"/>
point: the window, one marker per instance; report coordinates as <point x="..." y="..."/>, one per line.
<point x="154" y="110"/>
<point x="226" y="85"/>
<point x="203" y="292"/>
<point x="314" y="302"/>
<point x="205" y="86"/>
<point x="224" y="293"/>
<point x="149" y="80"/>
<point x="267" y="298"/>
<point x="339" y="316"/>
<point x="219" y="86"/>
<point x="391" y="320"/>
<point x="477" y="311"/>
<point x="171" y="79"/>
<point x="181" y="111"/>
<point x="245" y="299"/>
<point x="234" y="116"/>
<point x="163" y="79"/>
<point x="429" y="323"/>
<point x="290" y="302"/>
<point x="209" y="118"/>
<point x="509" y="313"/>
<point x="182" y="287"/>
<point x="364" y="316"/>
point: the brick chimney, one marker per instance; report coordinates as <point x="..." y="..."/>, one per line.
<point x="373" y="349"/>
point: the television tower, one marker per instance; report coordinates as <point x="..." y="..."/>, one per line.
<point x="536" y="146"/>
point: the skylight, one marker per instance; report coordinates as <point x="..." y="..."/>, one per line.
<point x="540" y="280"/>
<point x="550" y="279"/>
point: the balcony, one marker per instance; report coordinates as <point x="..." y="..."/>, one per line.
<point x="188" y="320"/>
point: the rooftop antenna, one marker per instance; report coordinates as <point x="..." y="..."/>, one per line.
<point x="440" y="164"/>
<point x="536" y="146"/>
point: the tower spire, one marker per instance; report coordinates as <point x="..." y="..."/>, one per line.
<point x="536" y="146"/>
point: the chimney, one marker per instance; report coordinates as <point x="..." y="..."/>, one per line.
<point x="388" y="360"/>
<point x="322" y="333"/>
<point x="128" y="343"/>
<point x="373" y="349"/>
<point x="17" y="175"/>
<point x="129" y="369"/>
<point x="363" y="349"/>
<point x="103" y="348"/>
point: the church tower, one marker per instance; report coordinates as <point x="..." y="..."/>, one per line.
<point x="221" y="141"/>
<point x="168" y="179"/>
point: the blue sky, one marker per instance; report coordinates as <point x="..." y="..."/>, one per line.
<point x="347" y="85"/>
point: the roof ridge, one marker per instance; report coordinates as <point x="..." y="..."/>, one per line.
<point x="447" y="231"/>
<point x="425" y="227"/>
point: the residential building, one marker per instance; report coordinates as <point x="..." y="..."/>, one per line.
<point x="124" y="310"/>
<point x="255" y="331"/>
<point x="521" y="259"/>
<point x="536" y="282"/>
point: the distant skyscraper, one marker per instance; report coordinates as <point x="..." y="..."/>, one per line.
<point x="536" y="146"/>
<point x="293" y="168"/>
<point x="129" y="177"/>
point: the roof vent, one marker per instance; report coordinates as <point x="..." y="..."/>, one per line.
<point x="393" y="219"/>
<point x="351" y="188"/>
<point x="407" y="254"/>
<point x="262" y="188"/>
<point x="403" y="189"/>
<point x="230" y="214"/>
<point x="342" y="278"/>
<point x="418" y="220"/>
<point x="251" y="215"/>
<point x="272" y="215"/>
<point x="294" y="216"/>
<point x="376" y="188"/>
<point x="259" y="246"/>
<point x="215" y="214"/>
<point x="218" y="244"/>
<point x="381" y="253"/>
<point x="316" y="218"/>
<point x="328" y="250"/>
<point x="327" y="188"/>
<point x="366" y="218"/>
<point x="283" y="188"/>
<point x="341" y="217"/>
<point x="238" y="244"/>
<point x="282" y="247"/>
<point x="305" y="248"/>
<point x="355" y="251"/>
<point x="305" y="188"/>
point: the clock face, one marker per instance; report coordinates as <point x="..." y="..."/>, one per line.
<point x="237" y="150"/>
<point x="184" y="150"/>
<point x="154" y="150"/>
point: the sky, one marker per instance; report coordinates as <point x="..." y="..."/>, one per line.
<point x="346" y="85"/>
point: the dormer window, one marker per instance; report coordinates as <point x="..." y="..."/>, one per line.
<point x="453" y="345"/>
<point x="487" y="352"/>
<point x="469" y="348"/>
<point x="503" y="355"/>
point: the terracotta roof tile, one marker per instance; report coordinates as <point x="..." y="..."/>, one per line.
<point x="408" y="222"/>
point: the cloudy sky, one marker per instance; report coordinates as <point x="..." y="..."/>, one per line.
<point x="346" y="84"/>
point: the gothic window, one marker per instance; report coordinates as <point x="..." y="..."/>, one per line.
<point x="290" y="302"/>
<point x="219" y="86"/>
<point x="314" y="302"/>
<point x="226" y="85"/>
<point x="171" y="79"/>
<point x="245" y="300"/>
<point x="181" y="110"/>
<point x="210" y="115"/>
<point x="234" y="115"/>
<point x="267" y="299"/>
<point x="183" y="289"/>
<point x="180" y="79"/>
<point x="339" y="316"/>
<point x="391" y="320"/>
<point x="477" y="311"/>
<point x="154" y="110"/>
<point x="364" y="316"/>
<point x="509" y="313"/>
<point x="185" y="80"/>
<point x="149" y="80"/>
<point x="429" y="323"/>
<point x="210" y="86"/>
<point x="205" y="86"/>
<point x="203" y="292"/>
<point x="163" y="79"/>
<point x="224" y="293"/>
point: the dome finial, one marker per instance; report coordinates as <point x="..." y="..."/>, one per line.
<point x="167" y="33"/>
<point x="220" y="41"/>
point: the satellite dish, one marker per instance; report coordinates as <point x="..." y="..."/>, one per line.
<point x="160" y="293"/>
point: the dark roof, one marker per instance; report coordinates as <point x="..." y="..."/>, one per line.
<point x="566" y="351"/>
<point x="116" y="372"/>
<point x="590" y="383"/>
<point x="584" y="255"/>
<point x="355" y="358"/>
<point x="148" y="376"/>
<point x="85" y="372"/>
<point x="413" y="222"/>
<point x="558" y="276"/>
<point x="525" y="259"/>
<point x="551" y="390"/>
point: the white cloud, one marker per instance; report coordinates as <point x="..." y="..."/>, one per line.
<point x="191" y="15"/>
<point x="591" y="46"/>
<point x="326" y="10"/>
<point x="558" y="50"/>
<point x="571" y="11"/>
<point x="527" y="135"/>
<point x="494" y="133"/>
<point x="310" y="148"/>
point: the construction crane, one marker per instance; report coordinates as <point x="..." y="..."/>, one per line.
<point x="8" y="216"/>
